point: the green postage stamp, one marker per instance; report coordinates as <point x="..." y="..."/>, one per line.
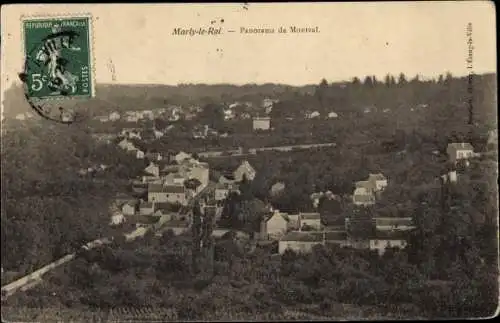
<point x="58" y="54"/>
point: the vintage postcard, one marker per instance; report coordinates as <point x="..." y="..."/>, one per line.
<point x="249" y="162"/>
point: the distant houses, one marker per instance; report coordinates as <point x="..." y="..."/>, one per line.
<point x="365" y="192"/>
<point x="261" y="123"/>
<point x="459" y="151"/>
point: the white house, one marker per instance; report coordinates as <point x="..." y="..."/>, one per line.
<point x="274" y="226"/>
<point x="393" y="223"/>
<point x="181" y="156"/>
<point x="245" y="170"/>
<point x="458" y="151"/>
<point x="128" y="209"/>
<point x="262" y="123"/>
<point x="388" y="239"/>
<point x="114" y="116"/>
<point x="378" y="181"/>
<point x="332" y="115"/>
<point x="139" y="154"/>
<point x="300" y="241"/>
<point x="310" y="219"/>
<point x="153" y="169"/>
<point x="117" y="219"/>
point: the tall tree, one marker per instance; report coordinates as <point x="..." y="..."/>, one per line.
<point x="402" y="79"/>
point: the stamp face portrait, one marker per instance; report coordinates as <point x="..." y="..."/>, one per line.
<point x="58" y="57"/>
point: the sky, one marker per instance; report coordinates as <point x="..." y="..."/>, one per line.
<point x="354" y="39"/>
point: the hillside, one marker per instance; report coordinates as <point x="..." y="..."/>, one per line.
<point x="111" y="97"/>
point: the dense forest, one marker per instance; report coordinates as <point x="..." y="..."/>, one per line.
<point x="396" y="126"/>
<point x="48" y="208"/>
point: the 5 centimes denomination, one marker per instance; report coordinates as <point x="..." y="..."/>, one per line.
<point x="58" y="53"/>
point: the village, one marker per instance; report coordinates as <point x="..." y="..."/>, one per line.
<point x="164" y="196"/>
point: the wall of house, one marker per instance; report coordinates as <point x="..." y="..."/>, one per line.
<point x="316" y="224"/>
<point x="276" y="226"/>
<point x="220" y="194"/>
<point x="381" y="245"/>
<point x="261" y="124"/>
<point x="176" y="198"/>
<point x="128" y="210"/>
<point x="297" y="246"/>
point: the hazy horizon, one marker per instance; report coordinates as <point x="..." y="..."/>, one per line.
<point x="133" y="43"/>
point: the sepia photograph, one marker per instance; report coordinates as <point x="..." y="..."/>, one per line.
<point x="249" y="162"/>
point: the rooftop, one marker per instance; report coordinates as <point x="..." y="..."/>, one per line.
<point x="461" y="145"/>
<point x="408" y="221"/>
<point x="389" y="235"/>
<point x="310" y="216"/>
<point x="335" y="235"/>
<point x="303" y="236"/>
<point x="377" y="177"/>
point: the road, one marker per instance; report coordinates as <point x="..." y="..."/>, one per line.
<point x="35" y="277"/>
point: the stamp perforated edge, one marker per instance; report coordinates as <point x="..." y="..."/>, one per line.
<point x="91" y="49"/>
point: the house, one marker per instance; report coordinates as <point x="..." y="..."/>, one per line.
<point x="125" y="144"/>
<point x="262" y="123"/>
<point x="146" y="208"/>
<point x="273" y="226"/>
<point x="458" y="151"/>
<point x="382" y="240"/>
<point x="102" y="118"/>
<point x="378" y="181"/>
<point x="154" y="156"/>
<point x="181" y="156"/>
<point x="176" y="226"/>
<point x="336" y="237"/>
<point x="117" y="219"/>
<point x="129" y="208"/>
<point x="152" y="169"/>
<point x="132" y="118"/>
<point x="158" y="134"/>
<point x="332" y="115"/>
<point x="244" y="170"/>
<point x="300" y="241"/>
<point x="121" y="198"/>
<point x="312" y="115"/>
<point x="113" y="116"/>
<point x="450" y="177"/>
<point x="174" y="179"/>
<point x="199" y="171"/>
<point x="293" y="221"/>
<point x="168" y="193"/>
<point x="492" y="142"/>
<point x="394" y="223"/>
<point x="277" y="188"/>
<point x="311" y="220"/>
<point x="363" y="194"/>
<point x="222" y="190"/>
<point x="139" y="154"/>
<point x="227" y="179"/>
<point x="143" y="220"/>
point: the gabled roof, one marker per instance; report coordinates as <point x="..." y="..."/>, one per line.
<point x="154" y="187"/>
<point x="460" y="146"/>
<point x="146" y="205"/>
<point x="174" y="189"/>
<point x="393" y="221"/>
<point x="310" y="216"/>
<point x="142" y="219"/>
<point x="377" y="177"/>
<point x="389" y="235"/>
<point x="269" y="216"/>
<point x="335" y="235"/>
<point x="303" y="236"/>
<point x="364" y="184"/>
